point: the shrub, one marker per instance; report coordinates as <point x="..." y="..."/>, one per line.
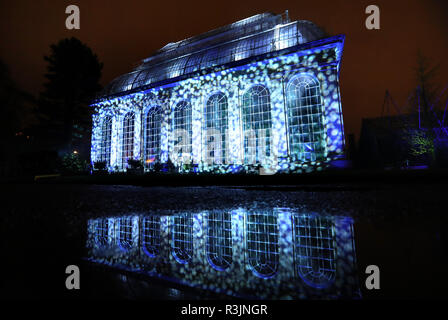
<point x="169" y="166"/>
<point x="100" y="165"/>
<point x="72" y="163"/>
<point x="157" y="167"/>
<point x="135" y="164"/>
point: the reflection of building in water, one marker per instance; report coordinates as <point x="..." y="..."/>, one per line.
<point x="315" y="249"/>
<point x="102" y="232"/>
<point x="182" y="237"/>
<point x="262" y="243"/>
<point x="274" y="253"/>
<point x="125" y="230"/>
<point x="150" y="235"/>
<point x="219" y="239"/>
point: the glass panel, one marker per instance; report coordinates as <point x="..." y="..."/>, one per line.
<point x="183" y="121"/>
<point x="153" y="136"/>
<point x="216" y="118"/>
<point x="106" y="140"/>
<point x="257" y="124"/>
<point x="127" y="139"/>
<point x="305" y="119"/>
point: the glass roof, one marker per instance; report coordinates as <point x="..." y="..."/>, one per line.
<point x="246" y="38"/>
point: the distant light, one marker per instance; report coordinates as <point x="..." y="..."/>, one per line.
<point x="75" y="152"/>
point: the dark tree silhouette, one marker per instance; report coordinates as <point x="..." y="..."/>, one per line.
<point x="73" y="74"/>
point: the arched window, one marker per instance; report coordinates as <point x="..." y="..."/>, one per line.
<point x="216" y="122"/>
<point x="151" y="235"/>
<point x="257" y="124"/>
<point x="262" y="243"/>
<point x="182" y="127"/>
<point x="305" y="119"/>
<point x="219" y="240"/>
<point x="106" y="140"/>
<point x="182" y="238"/>
<point x="102" y="232"/>
<point x="128" y="138"/>
<point x="152" y="136"/>
<point x="315" y="250"/>
<point x="125" y="229"/>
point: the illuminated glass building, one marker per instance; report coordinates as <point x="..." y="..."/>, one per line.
<point x="261" y="92"/>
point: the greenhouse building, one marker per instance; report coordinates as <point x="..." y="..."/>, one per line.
<point x="258" y="94"/>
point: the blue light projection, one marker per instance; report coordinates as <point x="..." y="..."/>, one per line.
<point x="278" y="107"/>
<point x="276" y="253"/>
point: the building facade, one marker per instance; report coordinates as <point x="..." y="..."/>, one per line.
<point x="262" y="92"/>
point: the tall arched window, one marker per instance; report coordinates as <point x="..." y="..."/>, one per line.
<point x="182" y="128"/>
<point x="106" y="140"/>
<point x="315" y="250"/>
<point x="305" y="119"/>
<point x="125" y="230"/>
<point x="151" y="235"/>
<point x="216" y="122"/>
<point x="219" y="240"/>
<point x="152" y="136"/>
<point x="128" y="138"/>
<point x="257" y="124"/>
<point x="182" y="238"/>
<point x="262" y="243"/>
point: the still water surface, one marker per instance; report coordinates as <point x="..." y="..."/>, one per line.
<point x="276" y="253"/>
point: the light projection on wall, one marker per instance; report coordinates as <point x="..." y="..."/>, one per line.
<point x="272" y="102"/>
<point x="258" y="253"/>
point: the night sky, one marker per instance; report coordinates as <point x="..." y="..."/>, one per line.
<point x="122" y="33"/>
